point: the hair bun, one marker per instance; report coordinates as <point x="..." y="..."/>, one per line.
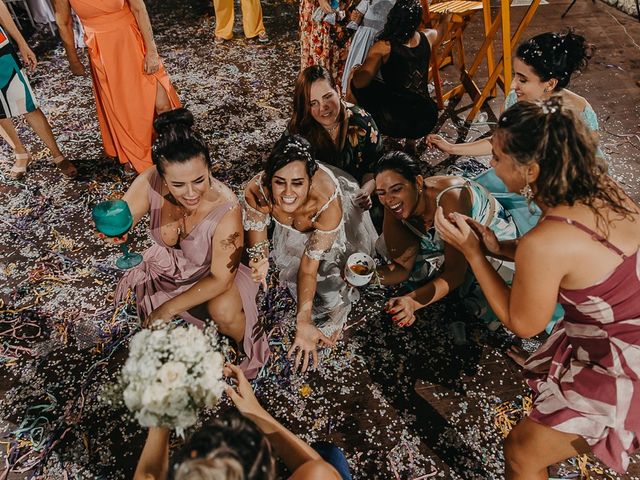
<point x="578" y="51"/>
<point x="175" y="121"/>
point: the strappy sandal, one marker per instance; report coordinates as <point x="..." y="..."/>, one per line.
<point x="65" y="166"/>
<point x="18" y="172"/>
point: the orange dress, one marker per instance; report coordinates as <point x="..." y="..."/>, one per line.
<point x="125" y="95"/>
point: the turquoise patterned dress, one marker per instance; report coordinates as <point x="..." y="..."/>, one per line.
<point x="486" y="210"/>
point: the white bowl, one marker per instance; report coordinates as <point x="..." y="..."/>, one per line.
<point x="362" y="260"/>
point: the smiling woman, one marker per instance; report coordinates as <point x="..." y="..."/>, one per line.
<point x="417" y="256"/>
<point x="317" y="227"/>
<point x="193" y="270"/>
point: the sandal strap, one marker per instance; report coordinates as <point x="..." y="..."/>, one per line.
<point x="58" y="160"/>
<point x="23" y="156"/>
<point x="16" y="169"/>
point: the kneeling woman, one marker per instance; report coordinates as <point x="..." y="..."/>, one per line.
<point x="584" y="253"/>
<point x="317" y="226"/>
<point x="194" y="268"/>
<point x="417" y="254"/>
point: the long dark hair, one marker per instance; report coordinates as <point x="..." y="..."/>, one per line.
<point x="302" y="123"/>
<point x="403" y="20"/>
<point x="231" y="448"/>
<point x="561" y="144"/>
<point x="177" y="142"/>
<point x="556" y="55"/>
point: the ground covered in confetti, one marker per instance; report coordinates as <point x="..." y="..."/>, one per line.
<point x="402" y="403"/>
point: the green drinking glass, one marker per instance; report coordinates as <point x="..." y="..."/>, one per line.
<point x="114" y="219"/>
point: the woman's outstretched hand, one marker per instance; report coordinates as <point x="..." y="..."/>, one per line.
<point x="402" y="310"/>
<point x="306" y="342"/>
<point x="457" y="232"/>
<point x="436" y="141"/>
<point x="242" y="395"/>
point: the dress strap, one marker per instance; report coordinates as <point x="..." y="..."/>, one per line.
<point x="334" y="195"/>
<point x="594" y="235"/>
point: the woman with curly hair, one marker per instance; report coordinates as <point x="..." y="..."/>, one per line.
<point x="584" y="252"/>
<point x="392" y="82"/>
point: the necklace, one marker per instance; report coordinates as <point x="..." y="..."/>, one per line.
<point x="332" y="129"/>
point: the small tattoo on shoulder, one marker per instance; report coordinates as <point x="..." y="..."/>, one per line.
<point x="230" y="241"/>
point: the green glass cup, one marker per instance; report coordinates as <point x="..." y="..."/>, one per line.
<point x="114" y="219"/>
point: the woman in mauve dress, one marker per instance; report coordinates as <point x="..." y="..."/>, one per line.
<point x="193" y="270"/>
<point x="130" y="83"/>
<point x="584" y="254"/>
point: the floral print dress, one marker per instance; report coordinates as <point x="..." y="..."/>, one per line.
<point x="322" y="43"/>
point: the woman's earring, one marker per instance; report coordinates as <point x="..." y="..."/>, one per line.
<point x="527" y="192"/>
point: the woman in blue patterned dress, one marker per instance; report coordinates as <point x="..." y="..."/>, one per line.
<point x="16" y="99"/>
<point x="543" y="67"/>
<point x="418" y="257"/>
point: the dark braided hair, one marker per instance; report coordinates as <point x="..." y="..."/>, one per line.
<point x="231" y="448"/>
<point x="177" y="142"/>
<point x="290" y="148"/>
<point x="403" y="20"/>
<point x="556" y="55"/>
<point x="562" y="145"/>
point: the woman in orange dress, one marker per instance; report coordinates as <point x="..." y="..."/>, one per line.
<point x="129" y="81"/>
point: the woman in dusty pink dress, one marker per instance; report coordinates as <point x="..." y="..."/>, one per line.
<point x="193" y="270"/>
<point x="129" y="80"/>
<point x="582" y="253"/>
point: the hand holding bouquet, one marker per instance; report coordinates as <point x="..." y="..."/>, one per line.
<point x="171" y="373"/>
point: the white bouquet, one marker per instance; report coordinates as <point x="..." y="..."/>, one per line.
<point x="170" y="374"/>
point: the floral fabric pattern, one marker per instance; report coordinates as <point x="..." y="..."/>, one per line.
<point x="363" y="145"/>
<point x="322" y="43"/>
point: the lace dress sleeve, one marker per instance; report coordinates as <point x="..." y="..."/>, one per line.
<point x="321" y="242"/>
<point x="252" y="219"/>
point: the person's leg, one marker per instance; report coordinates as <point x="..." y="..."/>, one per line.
<point x="163" y="104"/>
<point x="331" y="454"/>
<point x="39" y="123"/>
<point x="531" y="447"/>
<point x="9" y="133"/>
<point x="252" y="19"/>
<point x="224" y="19"/>
<point x="227" y="313"/>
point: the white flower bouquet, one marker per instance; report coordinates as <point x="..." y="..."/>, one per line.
<point x="170" y="374"/>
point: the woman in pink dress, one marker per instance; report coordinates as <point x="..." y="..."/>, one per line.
<point x="584" y="254"/>
<point x="193" y="270"/>
<point x="130" y="83"/>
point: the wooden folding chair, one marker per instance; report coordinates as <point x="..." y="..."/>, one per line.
<point x="451" y="48"/>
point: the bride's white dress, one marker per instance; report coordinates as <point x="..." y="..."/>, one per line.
<point x="355" y="233"/>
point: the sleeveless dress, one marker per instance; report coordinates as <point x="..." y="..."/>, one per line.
<point x="355" y="233"/>
<point x="125" y="95"/>
<point x="375" y="14"/>
<point x="16" y="95"/>
<point x="400" y="102"/>
<point x="166" y="272"/>
<point x="585" y="377"/>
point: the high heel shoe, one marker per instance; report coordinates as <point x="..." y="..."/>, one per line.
<point x="65" y="166"/>
<point x="18" y="172"/>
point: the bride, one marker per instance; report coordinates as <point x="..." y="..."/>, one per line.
<point x="317" y="227"/>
